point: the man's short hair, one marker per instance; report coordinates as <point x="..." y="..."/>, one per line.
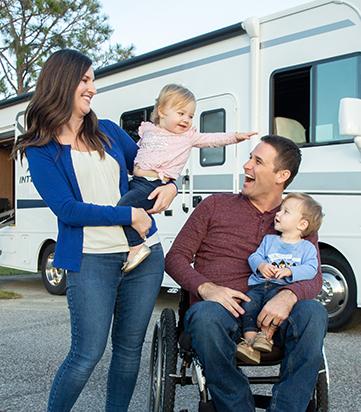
<point x="288" y="155"/>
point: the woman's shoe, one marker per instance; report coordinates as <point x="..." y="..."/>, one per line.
<point x="138" y="258"/>
<point x="262" y="344"/>
<point x="247" y="353"/>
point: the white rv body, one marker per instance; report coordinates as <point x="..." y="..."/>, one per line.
<point x="239" y="77"/>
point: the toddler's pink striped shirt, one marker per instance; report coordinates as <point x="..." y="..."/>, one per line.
<point x="166" y="153"/>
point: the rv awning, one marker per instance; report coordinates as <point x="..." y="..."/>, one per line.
<point x="7" y="137"/>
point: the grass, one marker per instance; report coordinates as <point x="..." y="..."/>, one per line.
<point x="8" y="271"/>
<point x="4" y="294"/>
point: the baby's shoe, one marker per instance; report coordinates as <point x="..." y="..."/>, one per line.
<point x="246" y="353"/>
<point x="262" y="344"/>
<point x="138" y="258"/>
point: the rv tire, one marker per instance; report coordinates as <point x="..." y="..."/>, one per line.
<point x="338" y="292"/>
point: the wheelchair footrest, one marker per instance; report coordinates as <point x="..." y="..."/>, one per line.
<point x="206" y="406"/>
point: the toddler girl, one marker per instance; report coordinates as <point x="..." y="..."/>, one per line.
<point x="164" y="148"/>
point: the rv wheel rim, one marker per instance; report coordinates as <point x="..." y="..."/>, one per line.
<point x="53" y="275"/>
<point x="334" y="293"/>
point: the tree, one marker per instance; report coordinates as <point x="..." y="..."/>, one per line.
<point x="31" y="30"/>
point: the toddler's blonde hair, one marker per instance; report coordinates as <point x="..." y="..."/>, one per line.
<point x="311" y="211"/>
<point x="174" y="95"/>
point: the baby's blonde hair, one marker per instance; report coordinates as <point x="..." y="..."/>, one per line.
<point x="174" y="95"/>
<point x="311" y="211"/>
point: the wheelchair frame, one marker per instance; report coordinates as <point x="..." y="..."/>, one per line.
<point x="169" y="341"/>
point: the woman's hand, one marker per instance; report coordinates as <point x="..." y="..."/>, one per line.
<point x="165" y="195"/>
<point x="141" y="222"/>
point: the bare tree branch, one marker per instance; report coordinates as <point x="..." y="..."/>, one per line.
<point x="6" y="75"/>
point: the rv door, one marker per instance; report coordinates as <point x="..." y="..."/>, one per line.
<point x="213" y="170"/>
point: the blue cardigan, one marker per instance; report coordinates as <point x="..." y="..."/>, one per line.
<point x="53" y="175"/>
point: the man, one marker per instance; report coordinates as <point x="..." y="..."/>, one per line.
<point x="218" y="237"/>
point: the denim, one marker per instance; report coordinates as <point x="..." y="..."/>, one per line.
<point x="137" y="196"/>
<point x="215" y="331"/>
<point x="260" y="294"/>
<point x="101" y="298"/>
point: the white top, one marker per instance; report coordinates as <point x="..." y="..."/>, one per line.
<point x="101" y="187"/>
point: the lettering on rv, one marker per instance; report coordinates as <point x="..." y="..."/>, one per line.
<point x="25" y="179"/>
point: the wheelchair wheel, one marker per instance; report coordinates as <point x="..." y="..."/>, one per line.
<point x="163" y="362"/>
<point x="321" y="392"/>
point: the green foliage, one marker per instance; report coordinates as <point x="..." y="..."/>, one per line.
<point x="31" y="30"/>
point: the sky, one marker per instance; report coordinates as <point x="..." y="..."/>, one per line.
<point x="153" y="24"/>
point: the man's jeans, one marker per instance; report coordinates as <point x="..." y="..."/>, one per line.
<point x="95" y="294"/>
<point x="214" y="333"/>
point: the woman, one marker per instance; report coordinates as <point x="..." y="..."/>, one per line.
<point x="79" y="166"/>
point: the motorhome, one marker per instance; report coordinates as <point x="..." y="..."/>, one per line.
<point x="285" y="73"/>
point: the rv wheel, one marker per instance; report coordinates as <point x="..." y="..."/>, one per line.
<point x="53" y="278"/>
<point x="338" y="293"/>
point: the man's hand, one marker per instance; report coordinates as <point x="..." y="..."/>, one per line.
<point x="229" y="298"/>
<point x="276" y="310"/>
<point x="283" y="273"/>
<point x="165" y="195"/>
<point x="267" y="270"/>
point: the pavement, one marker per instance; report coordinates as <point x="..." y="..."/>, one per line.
<point x="34" y="339"/>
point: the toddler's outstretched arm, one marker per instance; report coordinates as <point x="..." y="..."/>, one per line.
<point x="218" y="139"/>
<point x="244" y="136"/>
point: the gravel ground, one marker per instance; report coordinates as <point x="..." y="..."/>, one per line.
<point x="35" y="335"/>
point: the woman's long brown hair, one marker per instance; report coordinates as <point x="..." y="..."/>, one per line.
<point x="52" y="104"/>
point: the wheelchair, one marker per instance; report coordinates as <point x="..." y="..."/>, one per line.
<point x="173" y="362"/>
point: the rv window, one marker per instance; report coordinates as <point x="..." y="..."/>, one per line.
<point x="333" y="81"/>
<point x="7" y="179"/>
<point x="130" y="121"/>
<point x="306" y="100"/>
<point x="292" y="104"/>
<point x="210" y="122"/>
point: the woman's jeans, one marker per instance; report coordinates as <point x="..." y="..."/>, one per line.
<point x="215" y="332"/>
<point x="137" y="196"/>
<point x="102" y="298"/>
